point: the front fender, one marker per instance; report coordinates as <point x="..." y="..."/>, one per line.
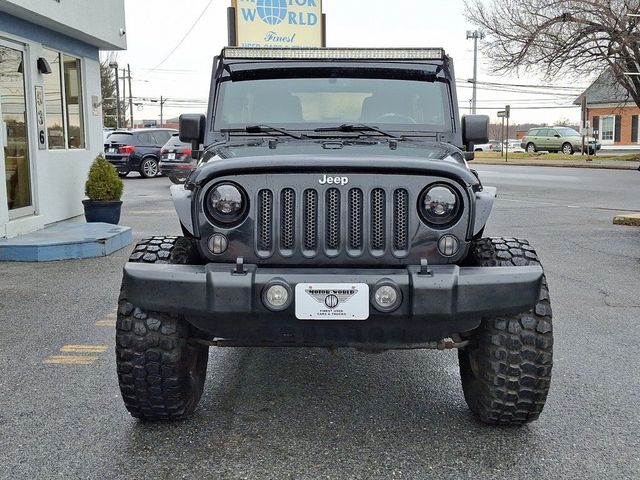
<point x="484" y="204"/>
<point x="182" y="202"/>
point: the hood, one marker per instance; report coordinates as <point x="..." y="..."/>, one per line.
<point x="332" y="156"/>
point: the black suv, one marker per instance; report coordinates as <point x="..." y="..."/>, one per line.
<point x="176" y="160"/>
<point x="333" y="207"/>
<point x="137" y="150"/>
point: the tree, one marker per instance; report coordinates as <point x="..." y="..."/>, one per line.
<point x="108" y="89"/>
<point x="562" y="36"/>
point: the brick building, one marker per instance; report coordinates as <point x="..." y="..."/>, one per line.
<point x="611" y="111"/>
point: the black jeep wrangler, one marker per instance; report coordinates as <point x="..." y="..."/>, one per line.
<point x="333" y="207"/>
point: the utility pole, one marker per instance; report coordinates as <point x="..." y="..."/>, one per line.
<point x="163" y="100"/>
<point x="476" y="35"/>
<point x="124" y="96"/>
<point x="114" y="65"/>
<point x="130" y="97"/>
<point x="161" y="111"/>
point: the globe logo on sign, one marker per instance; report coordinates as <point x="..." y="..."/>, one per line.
<point x="272" y="12"/>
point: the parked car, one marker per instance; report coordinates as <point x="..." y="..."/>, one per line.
<point x="557" y="139"/>
<point x="137" y="150"/>
<point x="512" y="146"/>
<point x="106" y="133"/>
<point x="491" y="146"/>
<point x="176" y="161"/>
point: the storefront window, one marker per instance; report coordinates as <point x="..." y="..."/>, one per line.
<point x="13" y="137"/>
<point x="53" y="101"/>
<point x="73" y="101"/>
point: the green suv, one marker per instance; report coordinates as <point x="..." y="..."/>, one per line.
<point x="557" y="139"/>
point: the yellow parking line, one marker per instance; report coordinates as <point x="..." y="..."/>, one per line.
<point x="109" y="320"/>
<point x="70" y="360"/>
<point x="106" y="322"/>
<point x="84" y="348"/>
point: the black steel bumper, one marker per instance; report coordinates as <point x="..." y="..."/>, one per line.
<point x="449" y="299"/>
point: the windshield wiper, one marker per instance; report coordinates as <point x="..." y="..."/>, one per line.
<point x="269" y="128"/>
<point x="357" y="127"/>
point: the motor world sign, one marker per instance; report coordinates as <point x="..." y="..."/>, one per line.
<point x="278" y="23"/>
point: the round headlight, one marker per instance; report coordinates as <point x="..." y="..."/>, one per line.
<point x="439" y="205"/>
<point x="226" y="203"/>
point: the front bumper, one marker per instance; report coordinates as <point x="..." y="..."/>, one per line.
<point x="446" y="300"/>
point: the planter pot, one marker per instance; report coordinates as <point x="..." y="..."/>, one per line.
<point x="106" y="212"/>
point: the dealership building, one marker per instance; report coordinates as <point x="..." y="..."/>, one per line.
<point x="50" y="105"/>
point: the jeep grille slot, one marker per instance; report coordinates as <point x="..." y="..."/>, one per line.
<point x="333" y="219"/>
<point x="400" y="220"/>
<point x="355" y="220"/>
<point x="265" y="221"/>
<point x="310" y="221"/>
<point x="287" y="219"/>
<point x="378" y="223"/>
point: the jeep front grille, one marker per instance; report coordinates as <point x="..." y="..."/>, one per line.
<point x="333" y="221"/>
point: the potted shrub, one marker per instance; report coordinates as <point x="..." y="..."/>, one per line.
<point x="104" y="189"/>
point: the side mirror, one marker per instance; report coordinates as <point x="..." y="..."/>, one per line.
<point x="475" y="130"/>
<point x="192" y="128"/>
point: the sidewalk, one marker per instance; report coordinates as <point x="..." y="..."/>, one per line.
<point x="577" y="163"/>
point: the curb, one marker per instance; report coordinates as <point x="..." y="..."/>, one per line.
<point x="606" y="166"/>
<point x="629" y="219"/>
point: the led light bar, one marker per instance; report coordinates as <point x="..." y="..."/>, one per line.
<point x="335" y="53"/>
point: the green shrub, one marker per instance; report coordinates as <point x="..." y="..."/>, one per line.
<point x="103" y="183"/>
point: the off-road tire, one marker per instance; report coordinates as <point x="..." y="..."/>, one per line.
<point x="161" y="372"/>
<point x="531" y="148"/>
<point x="506" y="368"/>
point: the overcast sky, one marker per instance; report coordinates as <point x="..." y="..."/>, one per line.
<point x="155" y="27"/>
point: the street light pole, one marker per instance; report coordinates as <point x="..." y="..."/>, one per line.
<point x="476" y="35"/>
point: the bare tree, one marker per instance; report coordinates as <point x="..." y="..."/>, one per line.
<point x="560" y="36"/>
<point x="108" y="90"/>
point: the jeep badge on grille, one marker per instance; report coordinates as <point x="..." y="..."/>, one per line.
<point x="333" y="180"/>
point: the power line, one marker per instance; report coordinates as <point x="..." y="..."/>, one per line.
<point x="185" y="35"/>
<point x="522" y="85"/>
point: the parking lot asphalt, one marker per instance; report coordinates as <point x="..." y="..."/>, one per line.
<point x="311" y="414"/>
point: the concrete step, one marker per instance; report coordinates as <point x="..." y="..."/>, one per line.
<point x="66" y="240"/>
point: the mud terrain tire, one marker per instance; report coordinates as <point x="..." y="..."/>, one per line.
<point x="161" y="374"/>
<point x="506" y="369"/>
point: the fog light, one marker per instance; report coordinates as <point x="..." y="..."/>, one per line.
<point x="277" y="296"/>
<point x="386" y="297"/>
<point x="218" y="243"/>
<point x="448" y="245"/>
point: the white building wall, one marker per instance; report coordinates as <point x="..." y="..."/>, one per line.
<point x="97" y="22"/>
<point x="58" y="176"/>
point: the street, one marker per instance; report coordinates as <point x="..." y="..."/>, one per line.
<point x="296" y="414"/>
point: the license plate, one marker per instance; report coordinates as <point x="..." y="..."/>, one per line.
<point x="171" y="156"/>
<point x="332" y="301"/>
<point x="111" y="150"/>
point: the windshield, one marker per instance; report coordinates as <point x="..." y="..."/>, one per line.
<point x="309" y="103"/>
<point x="567" y="132"/>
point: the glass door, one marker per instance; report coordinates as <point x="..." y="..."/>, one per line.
<point x="14" y="131"/>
